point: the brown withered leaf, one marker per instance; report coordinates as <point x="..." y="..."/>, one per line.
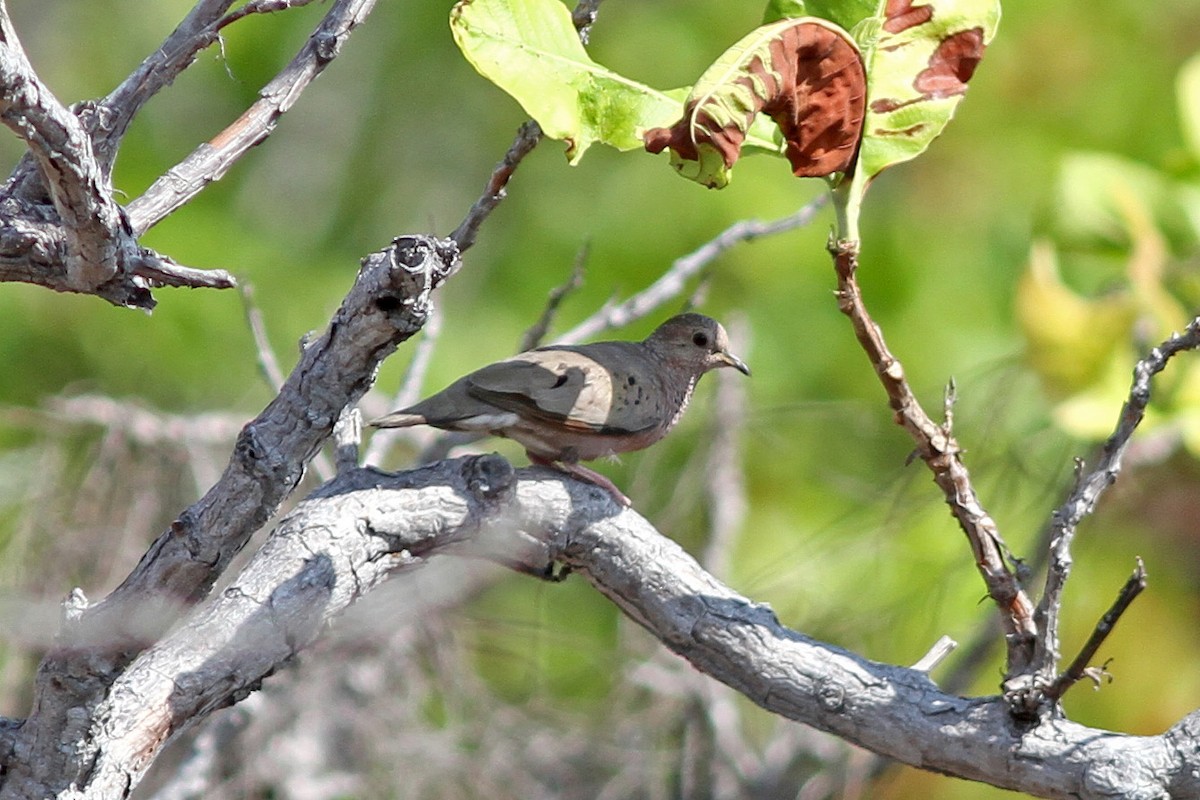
<point x="806" y="74"/>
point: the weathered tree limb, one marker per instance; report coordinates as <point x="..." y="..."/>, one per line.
<point x="1081" y="666"/>
<point x="1087" y="492"/>
<point x="386" y="305"/>
<point x="64" y="230"/>
<point x="356" y="530"/>
<point x="61" y="226"/>
<point x="210" y="161"/>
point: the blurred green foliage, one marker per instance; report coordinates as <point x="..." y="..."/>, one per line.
<point x="845" y="541"/>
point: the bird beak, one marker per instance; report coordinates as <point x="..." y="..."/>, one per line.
<point x="733" y="361"/>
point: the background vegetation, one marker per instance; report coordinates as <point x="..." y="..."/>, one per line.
<point x="840" y="537"/>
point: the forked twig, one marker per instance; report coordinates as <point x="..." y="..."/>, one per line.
<point x="1089" y="487"/>
<point x="937" y="447"/>
<point x="1079" y="667"/>
<point x="210" y="161"/>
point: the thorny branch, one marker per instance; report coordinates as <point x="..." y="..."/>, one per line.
<point x="1087" y="492"/>
<point x="1081" y="666"/>
<point x="937" y="447"/>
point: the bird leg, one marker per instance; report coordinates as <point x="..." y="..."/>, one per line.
<point x="580" y="471"/>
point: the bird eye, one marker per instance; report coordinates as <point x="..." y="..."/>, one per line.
<point x="700" y="339"/>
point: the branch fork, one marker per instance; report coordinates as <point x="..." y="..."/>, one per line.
<point x="60" y="225"/>
<point x="1031" y="685"/>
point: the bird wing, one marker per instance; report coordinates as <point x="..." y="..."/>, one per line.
<point x="566" y="387"/>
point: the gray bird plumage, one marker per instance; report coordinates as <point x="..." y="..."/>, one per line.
<point x="576" y="403"/>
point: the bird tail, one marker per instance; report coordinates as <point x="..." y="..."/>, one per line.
<point x="398" y="419"/>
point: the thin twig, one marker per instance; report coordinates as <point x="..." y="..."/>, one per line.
<point x="943" y="647"/>
<point x="937" y="447"/>
<point x="146" y="427"/>
<point x="110" y="118"/>
<point x="267" y="363"/>
<point x="1079" y="667"/>
<point x="260" y="7"/>
<point x="537" y="332"/>
<point x="725" y="477"/>
<point x="527" y="138"/>
<point x="1089" y="487"/>
<point x="211" y="160"/>
<point x="671" y="284"/>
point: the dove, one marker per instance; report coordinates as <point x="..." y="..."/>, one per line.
<point x="566" y="404"/>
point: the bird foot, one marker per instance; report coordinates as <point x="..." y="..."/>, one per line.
<point x="589" y="475"/>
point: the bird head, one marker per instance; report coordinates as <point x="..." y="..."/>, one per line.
<point x="695" y="341"/>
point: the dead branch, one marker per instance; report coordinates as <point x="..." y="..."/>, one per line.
<point x="1087" y="492"/>
<point x="210" y="161"/>
<point x="937" y="447"/>
<point x="671" y="283"/>
<point x="1081" y="665"/>
<point x="386" y="305"/>
<point x="354" y="532"/>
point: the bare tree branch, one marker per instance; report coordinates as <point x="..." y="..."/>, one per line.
<point x="109" y="119"/>
<point x="352" y="533"/>
<point x="63" y="151"/>
<point x="938" y="449"/>
<point x="212" y="160"/>
<point x="527" y="138"/>
<point x="386" y="305"/>
<point x="671" y="283"/>
<point x="86" y="244"/>
<point x="1081" y="666"/>
<point x="1087" y="492"/>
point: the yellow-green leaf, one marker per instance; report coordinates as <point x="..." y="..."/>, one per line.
<point x="530" y="49"/>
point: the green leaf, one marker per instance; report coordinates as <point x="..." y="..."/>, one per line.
<point x="919" y="58"/>
<point x="804" y="73"/>
<point x="1188" y="90"/>
<point x="1095" y="192"/>
<point x="530" y="49"/>
<point x="783" y="9"/>
<point x="918" y="73"/>
<point x="845" y="13"/>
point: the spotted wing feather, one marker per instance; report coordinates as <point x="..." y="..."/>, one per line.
<point x="583" y="392"/>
